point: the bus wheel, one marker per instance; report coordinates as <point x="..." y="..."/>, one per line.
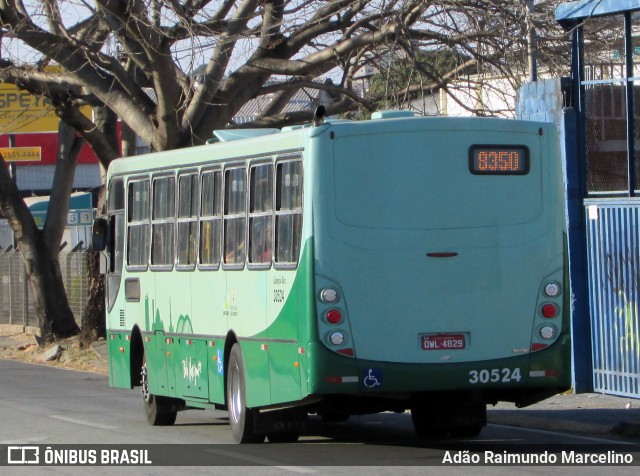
<point x="241" y="418"/>
<point x="423" y="423"/>
<point x="470" y="431"/>
<point x="159" y="410"/>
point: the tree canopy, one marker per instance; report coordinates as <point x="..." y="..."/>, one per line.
<point x="172" y="71"/>
<point x="138" y="56"/>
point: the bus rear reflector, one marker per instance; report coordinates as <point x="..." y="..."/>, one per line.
<point x="536" y="346"/>
<point x="348" y="352"/>
<point x="340" y="379"/>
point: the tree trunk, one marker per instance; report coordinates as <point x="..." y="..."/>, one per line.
<point x="41" y="262"/>
<point x="93" y="316"/>
<point x="45" y="278"/>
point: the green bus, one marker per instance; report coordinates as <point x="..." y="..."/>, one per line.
<point x="341" y="268"/>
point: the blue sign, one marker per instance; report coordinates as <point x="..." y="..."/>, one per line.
<point x="372" y="378"/>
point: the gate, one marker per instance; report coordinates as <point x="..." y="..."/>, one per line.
<point x="605" y="87"/>
<point x="613" y="243"/>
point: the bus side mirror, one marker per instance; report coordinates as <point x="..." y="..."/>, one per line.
<point x="99" y="235"/>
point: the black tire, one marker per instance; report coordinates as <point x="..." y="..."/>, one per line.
<point x="423" y="423"/>
<point x="159" y="410"/>
<point x="466" y="431"/>
<point x="241" y="418"/>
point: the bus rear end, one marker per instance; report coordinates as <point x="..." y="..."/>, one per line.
<point x="439" y="269"/>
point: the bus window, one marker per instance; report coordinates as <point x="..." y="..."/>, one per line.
<point x="261" y="214"/>
<point x="187" y="220"/>
<point x="138" y="224"/>
<point x="116" y="220"/>
<point x="235" y="216"/>
<point x="210" y="219"/>
<point x="288" y="212"/>
<point x="116" y="243"/>
<point x="163" y="222"/>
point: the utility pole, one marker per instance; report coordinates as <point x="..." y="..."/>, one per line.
<point x="532" y="47"/>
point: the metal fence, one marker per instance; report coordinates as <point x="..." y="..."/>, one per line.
<point x="613" y="247"/>
<point x="16" y="302"/>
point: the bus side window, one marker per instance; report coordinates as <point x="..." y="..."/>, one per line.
<point x="261" y="214"/>
<point x="187" y="220"/>
<point x="116" y="225"/>
<point x="235" y="216"/>
<point x="138" y="224"/>
<point x="163" y="221"/>
<point x="288" y="212"/>
<point x="116" y="241"/>
<point x="210" y="219"/>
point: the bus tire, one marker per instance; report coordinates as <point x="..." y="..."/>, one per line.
<point x="159" y="410"/>
<point x="423" y="423"/>
<point x="241" y="418"/>
<point x="470" y="431"/>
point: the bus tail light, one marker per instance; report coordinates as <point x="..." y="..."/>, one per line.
<point x="337" y="338"/>
<point x="334" y="316"/>
<point x="549" y="310"/>
<point x="328" y="295"/>
<point x="552" y="290"/>
<point x="547" y="332"/>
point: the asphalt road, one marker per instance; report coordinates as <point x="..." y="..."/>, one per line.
<point x="41" y="405"/>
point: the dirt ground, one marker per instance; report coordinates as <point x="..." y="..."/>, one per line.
<point x="24" y="347"/>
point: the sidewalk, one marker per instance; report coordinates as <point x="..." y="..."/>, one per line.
<point x="19" y="343"/>
<point x="589" y="413"/>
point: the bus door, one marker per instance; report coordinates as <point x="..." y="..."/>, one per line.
<point x="120" y="376"/>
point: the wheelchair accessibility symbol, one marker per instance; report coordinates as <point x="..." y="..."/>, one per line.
<point x="372" y="378"/>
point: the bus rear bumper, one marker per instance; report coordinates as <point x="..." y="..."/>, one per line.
<point x="523" y="379"/>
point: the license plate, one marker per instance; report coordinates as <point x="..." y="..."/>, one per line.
<point x="443" y="342"/>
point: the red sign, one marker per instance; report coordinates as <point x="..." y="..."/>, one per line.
<point x="48" y="143"/>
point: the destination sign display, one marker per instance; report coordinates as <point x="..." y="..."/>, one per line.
<point x="498" y="160"/>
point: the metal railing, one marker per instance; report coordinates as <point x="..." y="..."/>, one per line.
<point x="16" y="302"/>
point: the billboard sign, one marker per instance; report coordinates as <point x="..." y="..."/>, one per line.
<point x="21" y="111"/>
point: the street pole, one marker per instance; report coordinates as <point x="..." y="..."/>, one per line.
<point x="532" y="47"/>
